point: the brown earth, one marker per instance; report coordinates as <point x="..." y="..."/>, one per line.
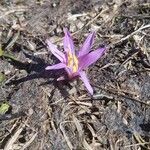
<point x="45" y="114"/>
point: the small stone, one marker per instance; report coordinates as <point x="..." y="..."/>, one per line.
<point x="54" y="5"/>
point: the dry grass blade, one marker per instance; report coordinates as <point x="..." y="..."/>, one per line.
<point x="95" y="143"/>
<point x="78" y="126"/>
<point x="9" y="145"/>
<point x="82" y="103"/>
<point x="27" y="144"/>
<point x="65" y="136"/>
<point x="13" y="139"/>
<point x="130" y="57"/>
<point x="138" y="144"/>
<point x="21" y="9"/>
<point x="117" y="92"/>
<point x="133" y="33"/>
<point x="141" y="141"/>
<point x="14" y="39"/>
<point x="92" y="131"/>
<point x="86" y="145"/>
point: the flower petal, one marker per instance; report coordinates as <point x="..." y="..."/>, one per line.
<point x="68" y="42"/>
<point x="56" y="66"/>
<point x="87" y="45"/>
<point x="86" y="82"/>
<point x="90" y="58"/>
<point x="55" y="51"/>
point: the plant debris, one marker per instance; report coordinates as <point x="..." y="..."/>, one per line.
<point x="43" y="113"/>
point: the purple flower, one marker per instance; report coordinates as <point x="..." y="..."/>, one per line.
<point x="75" y="63"/>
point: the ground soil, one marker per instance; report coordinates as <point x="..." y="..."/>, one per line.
<point x="45" y="114"/>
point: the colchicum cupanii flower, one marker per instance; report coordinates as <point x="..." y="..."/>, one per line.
<point x="74" y="62"/>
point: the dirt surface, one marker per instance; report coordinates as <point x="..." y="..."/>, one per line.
<point x="43" y="114"/>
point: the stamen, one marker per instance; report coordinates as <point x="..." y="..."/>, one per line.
<point x="72" y="62"/>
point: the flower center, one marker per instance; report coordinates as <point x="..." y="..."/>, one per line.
<point x="73" y="62"/>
